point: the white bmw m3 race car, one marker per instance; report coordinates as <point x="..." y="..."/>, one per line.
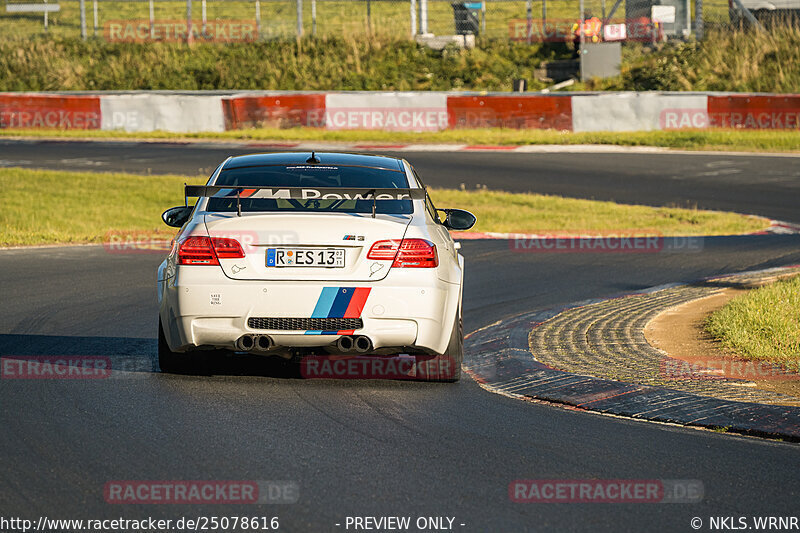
<point x="296" y="254"/>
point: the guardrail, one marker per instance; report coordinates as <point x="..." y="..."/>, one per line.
<point x="397" y="111"/>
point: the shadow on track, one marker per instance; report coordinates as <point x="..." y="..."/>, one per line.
<point x="138" y="355"/>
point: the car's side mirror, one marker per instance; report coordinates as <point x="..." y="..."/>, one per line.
<point x="177" y="216"/>
<point x="458" y="219"/>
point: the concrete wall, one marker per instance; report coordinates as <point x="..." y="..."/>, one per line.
<point x="397" y="111"/>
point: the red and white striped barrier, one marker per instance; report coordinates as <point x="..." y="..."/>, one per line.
<point x="52" y="111"/>
<point x="398" y="111"/>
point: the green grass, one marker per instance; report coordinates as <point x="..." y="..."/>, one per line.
<point x="334" y="17"/>
<point x="763" y="324"/>
<point x="350" y="53"/>
<point x="534" y="213"/>
<point x="724" y="61"/>
<point x="721" y="139"/>
<point x="326" y="63"/>
<point x="48" y="207"/>
<point x="278" y="17"/>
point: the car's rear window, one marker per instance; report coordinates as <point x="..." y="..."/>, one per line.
<point x="311" y="176"/>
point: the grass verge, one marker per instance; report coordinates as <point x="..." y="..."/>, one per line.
<point x="719" y="139"/>
<point x="538" y="213"/>
<point x="310" y="64"/>
<point x="359" y="59"/>
<point x="763" y="324"/>
<point x="335" y="18"/>
<point x="50" y="207"/>
<point x="739" y="61"/>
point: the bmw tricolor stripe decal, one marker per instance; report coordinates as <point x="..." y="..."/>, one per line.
<point x="325" y="302"/>
<point x="357" y="302"/>
<point x="339" y="302"/>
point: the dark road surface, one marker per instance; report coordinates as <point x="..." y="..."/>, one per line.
<point x="368" y="448"/>
<point x="761" y="185"/>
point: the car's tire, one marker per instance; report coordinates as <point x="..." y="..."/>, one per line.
<point x="447" y="367"/>
<point x="174" y="362"/>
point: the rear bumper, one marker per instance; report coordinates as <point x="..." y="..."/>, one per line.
<point x="201" y="307"/>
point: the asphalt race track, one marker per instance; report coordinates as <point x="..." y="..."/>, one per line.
<point x="370" y="448"/>
<point x="754" y="184"/>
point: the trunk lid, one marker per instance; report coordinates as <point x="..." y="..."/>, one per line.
<point x="354" y="233"/>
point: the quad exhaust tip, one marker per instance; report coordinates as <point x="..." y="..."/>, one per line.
<point x="363" y="344"/>
<point x="249" y="343"/>
<point x="263" y="342"/>
<point x="359" y="343"/>
<point x="245" y="343"/>
<point x="345" y="343"/>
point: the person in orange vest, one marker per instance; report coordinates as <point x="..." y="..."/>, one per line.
<point x="592" y="26"/>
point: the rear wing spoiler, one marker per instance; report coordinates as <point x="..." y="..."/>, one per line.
<point x="301" y="193"/>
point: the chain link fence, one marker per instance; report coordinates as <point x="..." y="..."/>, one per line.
<point x="250" y="20"/>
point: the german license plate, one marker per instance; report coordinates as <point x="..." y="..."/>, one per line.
<point x="305" y="257"/>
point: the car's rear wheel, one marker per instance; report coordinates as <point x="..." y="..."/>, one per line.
<point x="174" y="362"/>
<point x="447" y="367"/>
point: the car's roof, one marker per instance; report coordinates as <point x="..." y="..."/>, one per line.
<point x="325" y="158"/>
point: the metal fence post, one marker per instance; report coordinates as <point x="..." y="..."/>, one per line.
<point x="544" y="17"/>
<point x="258" y="19"/>
<point x="83" y="19"/>
<point x="483" y="17"/>
<point x="529" y="14"/>
<point x="698" y="19"/>
<point x="413" y="18"/>
<point x="189" y="36"/>
<point x="313" y="17"/>
<point x="94" y="8"/>
<point x="152" y="21"/>
<point x="423" y="16"/>
<point x="299" y="18"/>
<point x="205" y="19"/>
<point x="582" y="37"/>
<point x="749" y="16"/>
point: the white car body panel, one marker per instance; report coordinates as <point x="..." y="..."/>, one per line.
<point x="305" y="229"/>
<point x="208" y="306"/>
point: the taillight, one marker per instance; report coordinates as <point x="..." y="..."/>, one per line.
<point x="227" y="248"/>
<point x="416" y="253"/>
<point x="208" y="250"/>
<point x="408" y="253"/>
<point x="196" y="251"/>
<point x="383" y="250"/>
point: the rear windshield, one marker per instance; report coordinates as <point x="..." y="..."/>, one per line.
<point x="311" y="176"/>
